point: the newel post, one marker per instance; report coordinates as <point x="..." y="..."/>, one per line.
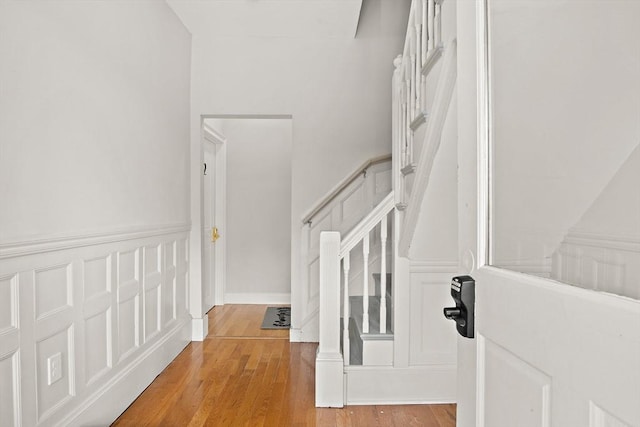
<point x="329" y="362"/>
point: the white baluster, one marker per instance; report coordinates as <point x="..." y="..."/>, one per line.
<point x="412" y="106"/>
<point x="346" y="349"/>
<point x="383" y="276"/>
<point x="418" y="67"/>
<point x="403" y="134"/>
<point x="410" y="145"/>
<point x="407" y="119"/>
<point x="407" y="124"/>
<point x="430" y="23"/>
<point x="437" y="25"/>
<point x="365" y="286"/>
<point x="425" y="26"/>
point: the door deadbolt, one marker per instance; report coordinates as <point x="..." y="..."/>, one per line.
<point x="463" y="293"/>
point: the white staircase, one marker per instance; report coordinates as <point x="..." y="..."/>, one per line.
<point x="372" y="334"/>
<point x="374" y="348"/>
<point x="340" y="210"/>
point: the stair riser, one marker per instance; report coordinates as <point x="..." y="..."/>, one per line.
<point x="377" y="353"/>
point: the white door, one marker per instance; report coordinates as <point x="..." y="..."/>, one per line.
<point x="549" y="199"/>
<point x="209" y="230"/>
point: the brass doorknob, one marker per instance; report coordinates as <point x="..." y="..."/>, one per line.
<point x="214" y="234"/>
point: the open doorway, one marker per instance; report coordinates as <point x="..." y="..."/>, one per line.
<point x="246" y="227"/>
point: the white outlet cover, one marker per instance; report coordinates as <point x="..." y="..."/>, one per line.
<point x="54" y="368"/>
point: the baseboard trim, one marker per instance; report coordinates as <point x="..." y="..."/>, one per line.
<point x="123" y="388"/>
<point x="257" y="298"/>
<point x="200" y="328"/>
<point x="300" y="335"/>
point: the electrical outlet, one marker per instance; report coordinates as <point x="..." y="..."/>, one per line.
<point x="54" y="368"/>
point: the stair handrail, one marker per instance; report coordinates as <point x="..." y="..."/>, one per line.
<point x="367" y="224"/>
<point x="333" y="193"/>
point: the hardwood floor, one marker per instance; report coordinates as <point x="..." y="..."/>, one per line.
<point x="244" y="376"/>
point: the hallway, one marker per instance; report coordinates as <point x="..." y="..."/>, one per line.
<point x="242" y="375"/>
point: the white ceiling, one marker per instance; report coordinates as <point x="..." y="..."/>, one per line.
<point x="269" y="18"/>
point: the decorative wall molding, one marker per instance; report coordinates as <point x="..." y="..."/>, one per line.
<point x="607" y="241"/>
<point x="433" y="339"/>
<point x="212" y="135"/>
<point x="112" y="307"/>
<point x="324" y="202"/>
<point x="600" y="262"/>
<point x="77" y="240"/>
<point x="126" y="385"/>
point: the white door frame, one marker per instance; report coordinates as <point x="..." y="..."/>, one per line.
<point x="211" y="135"/>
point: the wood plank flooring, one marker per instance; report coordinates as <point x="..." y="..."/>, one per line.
<point x="242" y="375"/>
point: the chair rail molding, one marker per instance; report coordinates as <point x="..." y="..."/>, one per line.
<point x="57" y="242"/>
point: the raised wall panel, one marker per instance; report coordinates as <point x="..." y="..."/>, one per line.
<point x="318" y="225"/>
<point x="9" y="395"/>
<point x="314" y="280"/>
<point x="151" y="313"/>
<point x="97" y="345"/>
<point x="53" y="288"/>
<point x="182" y="279"/>
<point x="152" y="259"/>
<point x="128" y="327"/>
<point x="354" y="203"/>
<point x="97" y="278"/>
<point x="49" y="397"/>
<point x="169" y="294"/>
<point x="8" y="303"/>
<point x="599" y="263"/>
<point x="152" y="291"/>
<point x="383" y="183"/>
<point x="512" y="391"/>
<point x="432" y="337"/>
<point x="128" y="267"/>
<point x="128" y="303"/>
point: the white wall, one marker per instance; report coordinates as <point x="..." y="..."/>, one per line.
<point x="258" y="210"/>
<point x="336" y="89"/>
<point x="94" y="109"/>
<point x="94" y="215"/>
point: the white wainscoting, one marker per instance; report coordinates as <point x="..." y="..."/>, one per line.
<point x="433" y="339"/>
<point x="430" y="347"/>
<point x="112" y="305"/>
<point x="599" y="262"/>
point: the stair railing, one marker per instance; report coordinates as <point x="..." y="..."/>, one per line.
<point x="335" y="251"/>
<point x="422" y="49"/>
<point x="361" y="233"/>
<point x="339" y="210"/>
